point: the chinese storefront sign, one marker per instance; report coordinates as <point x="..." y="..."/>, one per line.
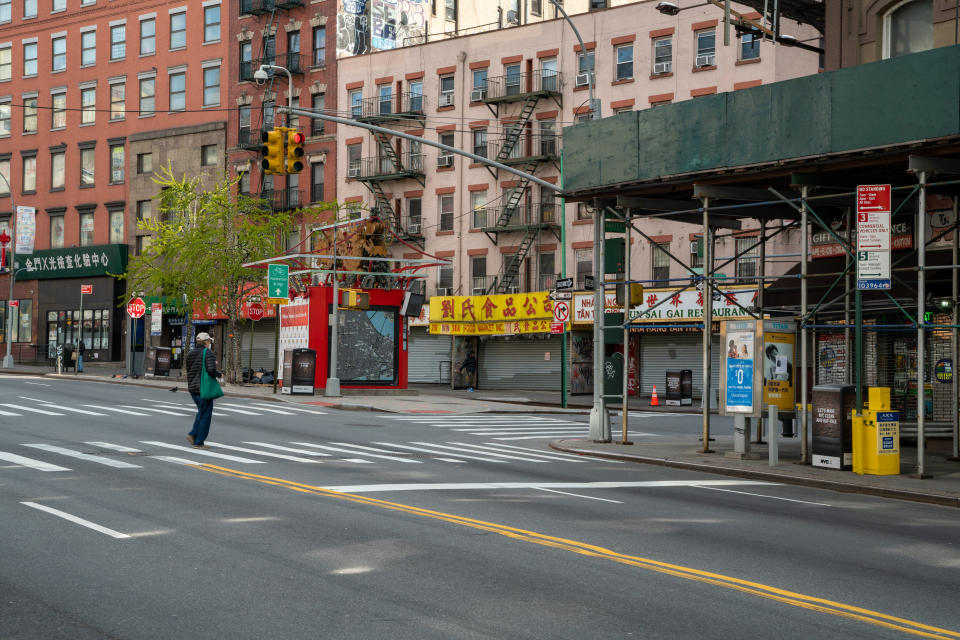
<point x="688" y="305"/>
<point x="75" y="262"/>
<point x="501" y="314"/>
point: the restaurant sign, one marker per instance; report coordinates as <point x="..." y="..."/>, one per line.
<point x="500" y="314"/>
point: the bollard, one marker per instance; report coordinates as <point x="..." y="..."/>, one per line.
<point x="773" y="440"/>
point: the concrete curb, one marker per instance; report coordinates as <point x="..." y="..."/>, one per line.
<point x="768" y="476"/>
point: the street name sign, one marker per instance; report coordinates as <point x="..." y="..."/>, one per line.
<point x="873" y="236"/>
<point x="561" y="295"/>
<point x="564" y="283"/>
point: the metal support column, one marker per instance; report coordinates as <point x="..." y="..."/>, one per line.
<point x="848" y="361"/>
<point x="599" y="418"/>
<point x="920" y="226"/>
<point x="955" y="334"/>
<point x="626" y="333"/>
<point x="707" y="321"/>
<point x="761" y="286"/>
<point x="804" y="392"/>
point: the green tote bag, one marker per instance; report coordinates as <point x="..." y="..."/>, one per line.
<point x="209" y="387"/>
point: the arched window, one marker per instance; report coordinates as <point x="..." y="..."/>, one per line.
<point x="908" y="28"/>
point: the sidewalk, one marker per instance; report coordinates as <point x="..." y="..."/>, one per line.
<point x="678" y="451"/>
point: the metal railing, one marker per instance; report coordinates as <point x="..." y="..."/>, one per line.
<point x="389" y="107"/>
<point x="542" y="145"/>
<point x="280" y="199"/>
<point x="296" y="62"/>
<point x="383" y="166"/>
<point x="479" y="285"/>
<point x="515" y="85"/>
<point x="256" y="7"/>
<point x="525" y="215"/>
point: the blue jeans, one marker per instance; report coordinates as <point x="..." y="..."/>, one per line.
<point x="201" y="423"/>
<point x="79" y="363"/>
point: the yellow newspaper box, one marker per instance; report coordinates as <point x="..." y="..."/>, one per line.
<point x="876" y="436"/>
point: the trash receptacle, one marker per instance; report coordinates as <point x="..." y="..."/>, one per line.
<point x="832" y="444"/>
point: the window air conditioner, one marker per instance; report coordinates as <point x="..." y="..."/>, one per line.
<point x="444" y="291"/>
<point x="445" y="161"/>
<point x="582" y="80"/>
<point x="446" y="99"/>
<point x="706" y="60"/>
<point x="413" y="228"/>
<point x="478" y="94"/>
<point x="353" y="172"/>
<point x="662" y="67"/>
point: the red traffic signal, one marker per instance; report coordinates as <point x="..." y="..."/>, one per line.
<point x="295" y="140"/>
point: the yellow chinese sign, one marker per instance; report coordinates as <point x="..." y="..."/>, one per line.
<point x="501" y="314"/>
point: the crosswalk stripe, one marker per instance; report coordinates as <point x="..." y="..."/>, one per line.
<point x="240" y="411"/>
<point x="118" y="464"/>
<point x="554" y="453"/>
<point x="529" y="437"/>
<point x="290" y="407"/>
<point x="202" y="452"/>
<point x="359" y="446"/>
<point x="39" y="465"/>
<point x="493" y="447"/>
<point x="489" y="453"/>
<point x="342" y="450"/>
<point x="132" y="413"/>
<point x="443" y="453"/>
<point x="357" y="460"/>
<point x="22" y="408"/>
<point x="291" y="449"/>
<point x="177" y="460"/>
<point x="269" y="454"/>
<point x="579" y="427"/>
<point x="114" y="447"/>
<point x="8" y="413"/>
<point x="169" y="413"/>
<point x="62" y="408"/>
<point x="240" y="406"/>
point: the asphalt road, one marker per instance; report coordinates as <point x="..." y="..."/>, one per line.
<point x="384" y="526"/>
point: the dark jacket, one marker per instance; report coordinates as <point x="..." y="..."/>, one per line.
<point x="194" y="364"/>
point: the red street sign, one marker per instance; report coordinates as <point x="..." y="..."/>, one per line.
<point x="255" y="311"/>
<point x="14" y="303"/>
<point x="873" y="198"/>
<point x="86" y="289"/>
<point x="136" y="308"/>
<point x="556" y="327"/>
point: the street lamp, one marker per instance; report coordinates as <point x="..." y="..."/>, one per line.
<point x="12" y="270"/>
<point x="594" y="107"/>
<point x="261" y="76"/>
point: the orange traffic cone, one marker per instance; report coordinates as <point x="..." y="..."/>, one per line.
<point x="654" y="402"/>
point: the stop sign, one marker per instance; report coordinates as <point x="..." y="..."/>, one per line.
<point x="255" y="311"/>
<point x="136" y="308"/>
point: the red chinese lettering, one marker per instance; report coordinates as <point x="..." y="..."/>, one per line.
<point x="731" y="300"/>
<point x="488" y="308"/>
<point x="446" y="309"/>
<point x="509" y="311"/>
<point x="700" y="298"/>
<point x="675" y="300"/>
<point x="466" y="309"/>
<point x="528" y="306"/>
<point x="651" y="299"/>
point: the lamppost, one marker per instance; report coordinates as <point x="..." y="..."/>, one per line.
<point x="12" y="271"/>
<point x="261" y="76"/>
<point x="594" y="107"/>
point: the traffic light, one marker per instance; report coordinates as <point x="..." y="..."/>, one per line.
<point x="354" y="299"/>
<point x="635" y="293"/>
<point x="294" y="151"/>
<point x="272" y="150"/>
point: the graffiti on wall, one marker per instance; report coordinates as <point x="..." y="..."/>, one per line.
<point x="353" y="31"/>
<point x="397" y="23"/>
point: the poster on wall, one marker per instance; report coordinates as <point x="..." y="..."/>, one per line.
<point x="26" y="229"/>
<point x="465" y="362"/>
<point x="779" y="347"/>
<point x="738" y="368"/>
<point x="581" y="362"/>
<point x="294" y="328"/>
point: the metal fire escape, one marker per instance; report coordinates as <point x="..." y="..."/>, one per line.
<point x="520" y="146"/>
<point x="390" y="165"/>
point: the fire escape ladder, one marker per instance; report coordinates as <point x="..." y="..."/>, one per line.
<point x="511" y="270"/>
<point x="515" y="129"/>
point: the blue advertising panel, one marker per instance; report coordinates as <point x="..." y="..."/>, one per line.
<point x="739" y="371"/>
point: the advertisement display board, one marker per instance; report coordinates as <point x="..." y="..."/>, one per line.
<point x="740" y="375"/>
<point x="779" y="357"/>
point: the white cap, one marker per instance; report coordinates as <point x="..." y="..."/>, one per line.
<point x="203" y="336"/>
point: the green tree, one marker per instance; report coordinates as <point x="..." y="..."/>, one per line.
<point x="200" y="241"/>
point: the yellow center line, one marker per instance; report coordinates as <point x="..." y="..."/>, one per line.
<point x="785" y="596"/>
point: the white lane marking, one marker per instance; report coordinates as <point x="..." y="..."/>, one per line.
<point x="469" y="417"/>
<point x="354" y="452"/>
<point x="357" y="460"/>
<point x="202" y="452"/>
<point x="9" y="413"/>
<point x="488" y="453"/>
<point x="33" y="399"/>
<point x="50" y="405"/>
<point x="240" y="411"/>
<point x="289" y="407"/>
<point x="760" y="495"/>
<point x="452" y="460"/>
<point x="39" y="384"/>
<point x="169" y="413"/>
<point x="442" y="453"/>
<point x="506" y="431"/>
<point x="114" y="447"/>
<point x="514" y="447"/>
<point x="240" y="406"/>
<point x="176" y="460"/>
<point x="577" y="495"/>
<point x="548" y="456"/>
<point x="23" y="408"/>
<point x="119" y="464"/>
<point x="39" y="465"/>
<point x="537" y="437"/>
<point x="374" y="488"/>
<point x="290" y="449"/>
<point x="76" y="520"/>
<point x="132" y="413"/>
<point x="269" y="454"/>
<point x="360" y="446"/>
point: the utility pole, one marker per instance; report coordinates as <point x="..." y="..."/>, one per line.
<point x="12" y="275"/>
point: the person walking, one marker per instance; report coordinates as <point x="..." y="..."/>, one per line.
<point x="199" y="360"/>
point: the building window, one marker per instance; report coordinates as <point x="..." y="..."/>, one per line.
<point x="88" y="105"/>
<point x="549" y="75"/>
<point x="747" y="260"/>
<point x="445" y="158"/>
<point x="706" y="42"/>
<point x="88" y="160"/>
<point x="445" y="281"/>
<point x="21" y="321"/>
<point x="211" y="86"/>
<point x="585" y="62"/>
<point x="624" y="62"/>
<point x="478" y="275"/>
<point x="317" y="104"/>
<point x="178" y="91"/>
<point x="416" y="96"/>
<point x="316" y="181"/>
<point x="513" y="79"/>
<point x="414" y="223"/>
<point x="30" y="115"/>
<point x="144" y="210"/>
<point x="30" y="59"/>
<point x="536" y="7"/>
<point x="353" y="160"/>
<point x="356" y="103"/>
<point x="148" y="89"/>
<point x="480" y="142"/>
<point x="118" y="42"/>
<point x="118" y="100"/>
<point x="446" y="212"/>
<point x="86" y="229"/>
<point x="663" y="55"/>
<point x="117" y="164"/>
<point x="56" y="232"/>
<point x="144" y="163"/>
<point x="6" y="63"/>
<point x="479" y="85"/>
<point x="584" y="260"/>
<point x="661" y="264"/>
<point x="320" y="46"/>
<point x="116" y="227"/>
<point x="178" y="30"/>
<point x="446" y="90"/>
<point x="293" y="52"/>
<point x="29" y="184"/>
<point x="244" y="185"/>
<point x="385" y="99"/>
<point x="29" y="9"/>
<point x="143" y="244"/>
<point x="749" y="46"/>
<point x="584" y="212"/>
<point x="59" y="5"/>
<point x="58" y="168"/>
<point x="548" y="271"/>
<point x="208" y="155"/>
<point x="148" y="36"/>
<point x="696" y="253"/>
<point x="478" y="203"/>
<point x="451" y="10"/>
<point x="5" y="172"/>
<point x="5" y="10"/>
<point x="908" y="28"/>
<point x="88" y="48"/>
<point x="211" y="23"/>
<point x="58" y="111"/>
<point x="59" y="53"/>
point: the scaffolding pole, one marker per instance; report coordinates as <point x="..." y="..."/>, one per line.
<point x="707" y="320"/>
<point x="921" y="225"/>
<point x="804" y="230"/>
